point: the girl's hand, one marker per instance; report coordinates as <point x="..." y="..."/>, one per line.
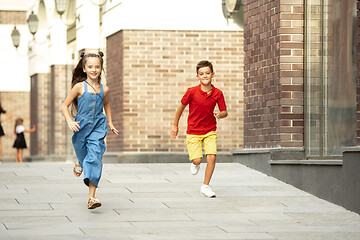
<point x="74" y="126"/>
<point x="174" y="131"/>
<point x="113" y="129"/>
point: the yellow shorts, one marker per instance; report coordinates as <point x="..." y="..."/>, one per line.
<point x="194" y="144"/>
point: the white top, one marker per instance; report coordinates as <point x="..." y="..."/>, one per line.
<point x="20" y="129"/>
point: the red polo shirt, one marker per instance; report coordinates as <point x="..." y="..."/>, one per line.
<point x="201" y="118"/>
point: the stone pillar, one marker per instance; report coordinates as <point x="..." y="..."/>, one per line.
<point x="39" y="114"/>
<point x="358" y="73"/>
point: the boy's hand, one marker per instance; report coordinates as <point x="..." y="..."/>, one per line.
<point x="174" y="131"/>
<point x="217" y="115"/>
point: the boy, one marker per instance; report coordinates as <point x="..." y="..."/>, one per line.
<point x="202" y="100"/>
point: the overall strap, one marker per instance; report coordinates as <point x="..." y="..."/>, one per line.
<point x="101" y="88"/>
<point x="85" y="86"/>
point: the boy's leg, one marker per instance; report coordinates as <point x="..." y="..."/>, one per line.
<point x="210" y="151"/>
<point x="210" y="166"/>
<point x="193" y="143"/>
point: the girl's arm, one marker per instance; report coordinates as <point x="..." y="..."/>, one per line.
<point x="8" y="116"/>
<point x="74" y="92"/>
<point x="33" y="129"/>
<point x="107" y="107"/>
<point x="175" y="126"/>
<point x="222" y="114"/>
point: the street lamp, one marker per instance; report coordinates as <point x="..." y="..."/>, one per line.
<point x="100" y="3"/>
<point x="33" y="23"/>
<point x="60" y="6"/>
<point x="15" y="36"/>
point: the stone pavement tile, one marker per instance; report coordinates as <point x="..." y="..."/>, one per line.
<point x="310" y="204"/>
<point x="8" y="200"/>
<point x="158" y="196"/>
<point x="23" y="180"/>
<point x="159" y="229"/>
<point x="46" y="230"/>
<point x="22" y="222"/>
<point x="343" y="218"/>
<point x="45" y="197"/>
<point x="202" y="236"/>
<point x="21" y="207"/>
<point x="317" y="236"/>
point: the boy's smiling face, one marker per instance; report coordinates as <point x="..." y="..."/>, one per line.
<point x="205" y="75"/>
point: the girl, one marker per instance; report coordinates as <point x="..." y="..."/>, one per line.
<point x="1" y="129"/>
<point x="87" y="99"/>
<point x="20" y="142"/>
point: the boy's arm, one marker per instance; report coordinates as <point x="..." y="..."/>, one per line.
<point x="175" y="126"/>
<point x="222" y="114"/>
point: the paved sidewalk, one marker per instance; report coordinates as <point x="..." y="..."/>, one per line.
<point x="162" y="201"/>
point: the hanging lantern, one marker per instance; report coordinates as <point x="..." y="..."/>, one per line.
<point x="60" y="6"/>
<point x="15" y="36"/>
<point x="33" y="23"/>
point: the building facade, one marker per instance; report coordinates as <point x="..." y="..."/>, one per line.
<point x="287" y="68"/>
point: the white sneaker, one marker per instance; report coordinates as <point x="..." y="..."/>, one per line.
<point x="206" y="191"/>
<point x="194" y="168"/>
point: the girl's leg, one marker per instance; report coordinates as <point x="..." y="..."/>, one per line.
<point x="93" y="202"/>
<point x="17" y="155"/>
<point x="210" y="166"/>
<point x="92" y="190"/>
<point x="20" y="155"/>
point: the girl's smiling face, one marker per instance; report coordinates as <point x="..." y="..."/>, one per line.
<point x="93" y="68"/>
<point x="205" y="75"/>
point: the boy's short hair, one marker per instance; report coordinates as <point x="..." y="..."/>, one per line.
<point x="204" y="63"/>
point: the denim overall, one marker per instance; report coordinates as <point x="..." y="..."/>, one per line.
<point x="89" y="142"/>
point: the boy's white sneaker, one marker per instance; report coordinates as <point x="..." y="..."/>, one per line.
<point x="194" y="168"/>
<point x="206" y="191"/>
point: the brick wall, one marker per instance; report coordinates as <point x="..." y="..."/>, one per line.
<point x="273" y="35"/>
<point x="18" y="105"/>
<point x="12" y="17"/>
<point x="148" y="72"/>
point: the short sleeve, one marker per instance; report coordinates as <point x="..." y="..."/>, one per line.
<point x="20" y="129"/>
<point x="186" y="98"/>
<point x="221" y="102"/>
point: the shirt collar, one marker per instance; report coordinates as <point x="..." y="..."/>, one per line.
<point x="205" y="93"/>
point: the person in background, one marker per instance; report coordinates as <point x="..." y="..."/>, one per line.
<point x="8" y="116"/>
<point x="20" y="142"/>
